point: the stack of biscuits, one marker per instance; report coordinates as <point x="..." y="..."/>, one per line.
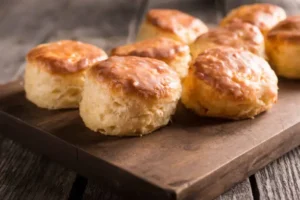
<point x="222" y="72"/>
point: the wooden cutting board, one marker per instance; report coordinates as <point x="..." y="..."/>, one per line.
<point x="192" y="158"/>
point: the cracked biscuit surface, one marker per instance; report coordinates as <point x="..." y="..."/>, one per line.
<point x="172" y="24"/>
<point x="172" y="52"/>
<point x="239" y="35"/>
<point x="283" y="46"/>
<point x="229" y="83"/>
<point x="129" y="96"/>
<point x="262" y="15"/>
<point x="54" y="74"/>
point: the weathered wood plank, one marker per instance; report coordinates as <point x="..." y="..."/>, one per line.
<point x="107" y="40"/>
<point x="23" y="25"/>
<point x="90" y="24"/>
<point x="113" y="35"/>
<point x="241" y="191"/>
<point x="24" y="175"/>
<point x="280" y="179"/>
<point x="97" y="191"/>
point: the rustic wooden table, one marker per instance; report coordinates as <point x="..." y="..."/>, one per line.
<point x="106" y="23"/>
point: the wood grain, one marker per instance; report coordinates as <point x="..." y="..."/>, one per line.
<point x="98" y="28"/>
<point x="24" y="175"/>
<point x="280" y="179"/>
<point x="208" y="14"/>
<point x="241" y="191"/>
<point x="86" y="29"/>
<point x="169" y="158"/>
<point x="96" y="191"/>
<point x="65" y="28"/>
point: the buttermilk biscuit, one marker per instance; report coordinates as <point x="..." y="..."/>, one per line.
<point x="54" y="73"/>
<point x="174" y="53"/>
<point x="238" y="35"/>
<point x="229" y="83"/>
<point x="172" y="24"/>
<point x="283" y="47"/>
<point x="128" y="96"/>
<point x="264" y="16"/>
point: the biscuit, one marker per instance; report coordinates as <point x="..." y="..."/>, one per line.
<point x="237" y="35"/>
<point x="262" y="15"/>
<point x="229" y="83"/>
<point x="174" y="53"/>
<point x="172" y="24"/>
<point x="129" y="96"/>
<point x="283" y="47"/>
<point x="54" y="73"/>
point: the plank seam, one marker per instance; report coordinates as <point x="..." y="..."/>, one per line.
<point x="254" y="188"/>
<point x="78" y="188"/>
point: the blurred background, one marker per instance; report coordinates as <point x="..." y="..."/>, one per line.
<point x="106" y="23"/>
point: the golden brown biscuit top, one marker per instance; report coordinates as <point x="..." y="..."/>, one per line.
<point x="264" y="16"/>
<point x="288" y="29"/>
<point x="175" y="21"/>
<point x="238" y="35"/>
<point x="146" y="77"/>
<point x="66" y="56"/>
<point x="159" y="48"/>
<point x="235" y="72"/>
